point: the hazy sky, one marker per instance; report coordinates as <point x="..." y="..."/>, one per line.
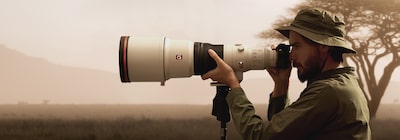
<point x="85" y="33"/>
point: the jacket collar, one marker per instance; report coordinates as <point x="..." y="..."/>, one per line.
<point x="331" y="73"/>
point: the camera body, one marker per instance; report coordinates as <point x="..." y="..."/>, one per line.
<point x="160" y="59"/>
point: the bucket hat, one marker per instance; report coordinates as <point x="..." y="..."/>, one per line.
<point x="320" y="26"/>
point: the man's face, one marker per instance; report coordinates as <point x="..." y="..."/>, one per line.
<point x="305" y="56"/>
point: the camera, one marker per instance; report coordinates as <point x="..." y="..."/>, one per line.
<point x="160" y="59"/>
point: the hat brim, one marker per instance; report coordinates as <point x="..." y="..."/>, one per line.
<point x="318" y="38"/>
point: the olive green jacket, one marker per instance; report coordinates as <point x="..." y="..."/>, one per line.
<point x="331" y="107"/>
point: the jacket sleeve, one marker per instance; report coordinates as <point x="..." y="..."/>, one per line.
<point x="276" y="105"/>
<point x="247" y="123"/>
<point x="294" y="122"/>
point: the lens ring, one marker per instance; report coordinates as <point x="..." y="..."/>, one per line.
<point x="123" y="61"/>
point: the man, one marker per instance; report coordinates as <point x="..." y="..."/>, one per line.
<point x="331" y="107"/>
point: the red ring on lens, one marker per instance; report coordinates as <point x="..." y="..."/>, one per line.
<point x="123" y="59"/>
<point x="125" y="49"/>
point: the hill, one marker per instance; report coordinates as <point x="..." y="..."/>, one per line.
<point x="32" y="80"/>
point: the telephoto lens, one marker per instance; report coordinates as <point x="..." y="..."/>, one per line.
<point x="160" y="59"/>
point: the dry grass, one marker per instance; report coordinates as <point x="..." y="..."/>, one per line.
<point x="139" y="122"/>
<point x="120" y="129"/>
<point x="107" y="112"/>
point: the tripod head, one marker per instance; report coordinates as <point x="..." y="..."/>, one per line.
<point x="220" y="107"/>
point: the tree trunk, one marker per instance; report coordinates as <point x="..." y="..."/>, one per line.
<point x="377" y="92"/>
<point x="373" y="106"/>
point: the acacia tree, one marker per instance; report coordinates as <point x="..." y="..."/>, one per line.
<point x="372" y="29"/>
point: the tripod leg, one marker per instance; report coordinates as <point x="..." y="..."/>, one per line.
<point x="221" y="109"/>
<point x="223" y="131"/>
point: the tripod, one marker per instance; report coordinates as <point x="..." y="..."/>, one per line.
<point x="220" y="107"/>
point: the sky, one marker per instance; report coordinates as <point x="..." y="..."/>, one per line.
<point x="86" y="33"/>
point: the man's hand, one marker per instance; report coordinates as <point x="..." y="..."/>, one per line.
<point x="281" y="79"/>
<point x="223" y="73"/>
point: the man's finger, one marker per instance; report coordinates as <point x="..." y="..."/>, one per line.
<point x="207" y="75"/>
<point x="273" y="47"/>
<point x="204" y="76"/>
<point x="215" y="56"/>
<point x="271" y="71"/>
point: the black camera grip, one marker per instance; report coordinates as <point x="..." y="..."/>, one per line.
<point x="283" y="52"/>
<point x="202" y="60"/>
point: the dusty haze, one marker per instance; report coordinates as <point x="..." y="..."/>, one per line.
<point x="27" y="79"/>
<point x="66" y="51"/>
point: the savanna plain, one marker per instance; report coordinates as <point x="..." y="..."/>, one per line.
<point x="140" y="122"/>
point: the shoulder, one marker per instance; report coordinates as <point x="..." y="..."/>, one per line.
<point x="334" y="92"/>
<point x="316" y="95"/>
<point x="319" y="88"/>
<point x="322" y="94"/>
<point x="327" y="89"/>
<point x="338" y="80"/>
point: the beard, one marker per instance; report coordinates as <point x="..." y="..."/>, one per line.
<point x="309" y="70"/>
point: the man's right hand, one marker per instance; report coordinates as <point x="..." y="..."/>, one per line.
<point x="223" y="73"/>
<point x="281" y="79"/>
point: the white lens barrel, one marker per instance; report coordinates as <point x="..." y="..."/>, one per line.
<point x="270" y="57"/>
<point x="178" y="58"/>
<point x="145" y="58"/>
<point x="158" y="59"/>
<point x="243" y="58"/>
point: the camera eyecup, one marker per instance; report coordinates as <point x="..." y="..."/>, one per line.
<point x="283" y="51"/>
